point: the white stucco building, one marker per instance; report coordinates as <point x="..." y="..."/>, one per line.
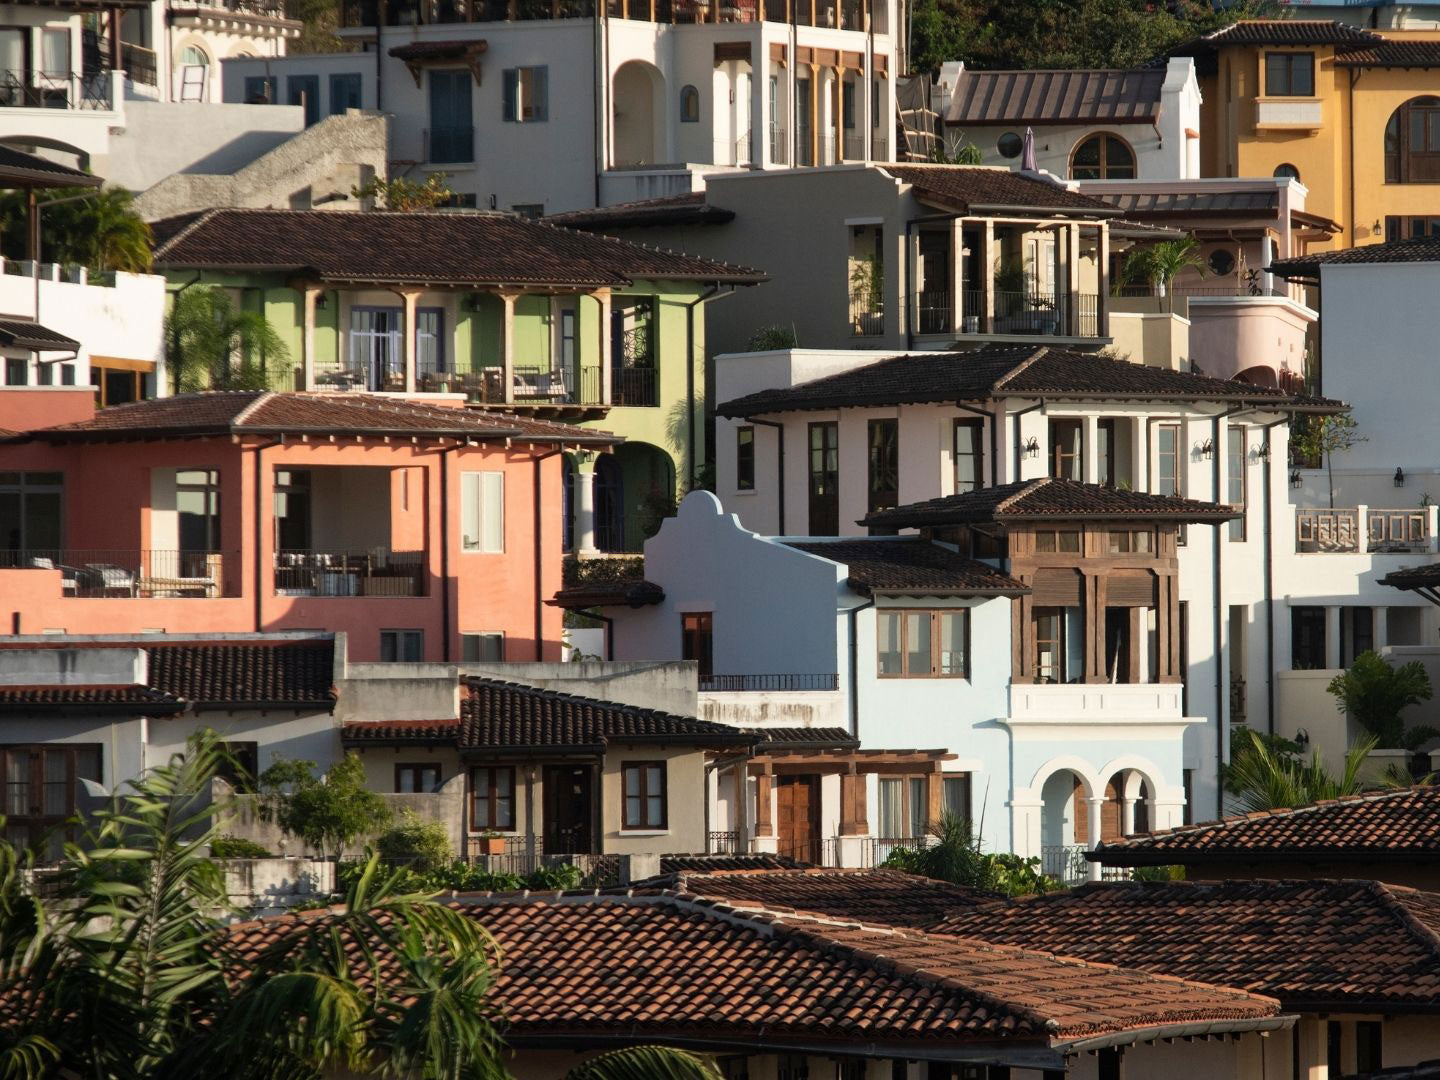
<point x="640" y="100"/>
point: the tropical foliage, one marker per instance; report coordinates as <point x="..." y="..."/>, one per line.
<point x="403" y="194"/>
<point x="1160" y="264"/>
<point x="460" y="876"/>
<point x="212" y="346"/>
<point x="1374" y="693"/>
<point x="955" y="856"/>
<point x="1317" y="439"/>
<point x="327" y="812"/>
<point x="646" y="1063"/>
<point x="424" y="845"/>
<point x="100" y="231"/>
<point x="1263" y="777"/>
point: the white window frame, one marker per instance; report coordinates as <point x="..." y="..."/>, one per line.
<point x="482" y="533"/>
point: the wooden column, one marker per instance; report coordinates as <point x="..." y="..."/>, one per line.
<point x="987" y="274"/>
<point x="838" y="75"/>
<point x="602" y="297"/>
<point x="117" y="47"/>
<point x="1164" y="671"/>
<point x="853" y="810"/>
<point x="507" y="344"/>
<point x="934" y="797"/>
<point x="764" y="784"/>
<point x="814" y="104"/>
<point x="1094" y="621"/>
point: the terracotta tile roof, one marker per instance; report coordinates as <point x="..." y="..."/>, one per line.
<point x="978" y="188"/>
<point x="28" y="334"/>
<point x="647" y="968"/>
<point x="1414" y="577"/>
<point x="1402" y="824"/>
<point x="1424" y="249"/>
<point x="1281" y="32"/>
<point x="1401" y="54"/>
<point x="1047" y="499"/>
<point x="635" y="594"/>
<point x="438" y="50"/>
<point x="22" y="170"/>
<point x="505" y="716"/>
<point x="53" y="696"/>
<point x="1314" y="945"/>
<point x="1090" y="96"/>
<point x="771" y="739"/>
<point x="996" y="372"/>
<point x="877" y="896"/>
<point x="449" y="247"/>
<point x="709" y="864"/>
<point x="268" y="412"/>
<point x="911" y="566"/>
<point x="689" y="208"/>
<point x="403" y="732"/>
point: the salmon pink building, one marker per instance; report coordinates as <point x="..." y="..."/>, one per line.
<point x="423" y="531"/>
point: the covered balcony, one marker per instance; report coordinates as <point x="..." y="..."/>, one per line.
<point x="857" y="15"/>
<point x="1357" y="529"/>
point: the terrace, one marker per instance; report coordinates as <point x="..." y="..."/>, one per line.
<point x="833" y="14"/>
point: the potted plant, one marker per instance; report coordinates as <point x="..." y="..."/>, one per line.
<point x="490" y="843"/>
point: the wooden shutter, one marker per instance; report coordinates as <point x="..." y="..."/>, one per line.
<point x="1057" y="587"/>
<point x="1130" y="588"/>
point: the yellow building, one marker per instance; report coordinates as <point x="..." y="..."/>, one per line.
<point x="1354" y="114"/>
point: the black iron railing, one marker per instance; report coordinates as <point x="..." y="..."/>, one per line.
<point x="110" y="573"/>
<point x="329" y="573"/>
<point x="789" y="681"/>
<point x="635" y="386"/>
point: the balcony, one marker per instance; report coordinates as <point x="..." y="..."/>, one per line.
<point x="635" y="387"/>
<point x="1399" y="532"/>
<point x="115" y="574"/>
<point x="768" y="683"/>
<point x="1289" y="114"/>
<point x="867" y="314"/>
<point x="525" y="854"/>
<point x="1081" y="703"/>
<point x="374" y="573"/>
<point x="779" y="148"/>
<point x="72" y="90"/>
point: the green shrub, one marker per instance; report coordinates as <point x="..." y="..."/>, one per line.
<point x="955" y="856"/>
<point x="1158" y="873"/>
<point x="459" y="876"/>
<point x="425" y="845"/>
<point x="771" y="338"/>
<point x="237" y="847"/>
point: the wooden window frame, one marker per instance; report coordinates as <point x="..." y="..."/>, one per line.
<point x="1131" y="545"/>
<point x="1290" y="56"/>
<point x="645" y="824"/>
<point x="745" y="457"/>
<point x="935" y="615"/>
<point x="1057" y="533"/>
<point x="825" y="451"/>
<point x="493" y="799"/>
<point x="1057" y="456"/>
<point x="420" y="768"/>
<point x="1062" y="645"/>
<point x="1103" y="166"/>
<point x="692" y="625"/>
<point x="977" y="427"/>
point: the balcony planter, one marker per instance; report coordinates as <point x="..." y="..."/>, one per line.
<point x="490" y="845"/>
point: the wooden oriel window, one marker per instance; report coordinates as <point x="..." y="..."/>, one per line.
<point x="417" y="777"/>
<point x="492" y="797"/>
<point x="644" y="789"/>
<point x="1065" y="541"/>
<point x="697" y="639"/>
<point x="922" y="644"/>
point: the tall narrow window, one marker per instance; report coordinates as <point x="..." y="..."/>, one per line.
<point x="824" y="478"/>
<point x="292" y="510"/>
<point x="452" y="127"/>
<point x="197" y="505"/>
<point x="482" y="512"/>
<point x="1167" y="459"/>
<point x="1235" y="471"/>
<point x="1307" y="638"/>
<point x="884" y="478"/>
<point x="745" y="458"/>
<point x="697" y="640"/>
<point x="492" y="798"/>
<point x="689" y="105"/>
<point x="1067" y="442"/>
<point x="644" y="787"/>
<point x="526" y="94"/>
<point x="969" y="456"/>
<point x="1105" y="453"/>
<point x="957" y="795"/>
<point x="429" y="340"/>
<point x="345" y="90"/>
<point x="305" y="90"/>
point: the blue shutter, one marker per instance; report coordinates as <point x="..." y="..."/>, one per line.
<point x="541" y="83"/>
<point x="512" y="80"/>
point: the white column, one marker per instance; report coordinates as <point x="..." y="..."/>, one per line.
<point x="1127" y="815"/>
<point x="957" y="274"/>
<point x="1072" y="280"/>
<point x="308" y="342"/>
<point x="1092" y="830"/>
<point x="507" y="345"/>
<point x="603" y="296"/>
<point x="1332" y="636"/>
<point x="759" y="103"/>
<point x="1091" y="450"/>
<point x="410" y="297"/>
<point x="865" y="88"/>
<point x="1139" y="454"/>
<point x="987" y="267"/>
<point x="585" y="511"/>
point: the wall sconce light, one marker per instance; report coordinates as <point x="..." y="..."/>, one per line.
<point x="322" y="302"/>
<point x="1207" y="449"/>
<point x="1302" y="739"/>
<point x="1032" y="447"/>
<point x="1262" y="453"/>
<point x="1399" y="476"/>
<point x="1294" y="478"/>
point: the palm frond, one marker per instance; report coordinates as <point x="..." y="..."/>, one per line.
<point x="646" y="1063"/>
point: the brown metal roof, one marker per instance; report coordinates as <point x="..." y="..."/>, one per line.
<point x="1056" y="97"/>
<point x="978" y="188"/>
<point x="21" y="170"/>
<point x="1194" y="203"/>
<point x="27" y="334"/>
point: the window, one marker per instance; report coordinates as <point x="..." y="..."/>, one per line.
<point x="479" y="648"/>
<point x="377" y="346"/>
<point x="1167" y="459"/>
<point x="1235" y="490"/>
<point x="1059" y="644"/>
<point x="825" y="478"/>
<point x="492" y="798"/>
<point x="1411" y="228"/>
<point x="969" y="456"/>
<point x="292" y="510"/>
<point x="345" y="92"/>
<point x="697" y="639"/>
<point x="197" y="506"/>
<point x="526" y="95"/>
<point x="1010" y="145"/>
<point x="241" y="767"/>
<point x="1103" y="157"/>
<point x="1221" y="262"/>
<point x="847" y="105"/>
<point x="644" y="788"/>
<point x="482" y="512"/>
<point x="745" y="458"/>
<point x="452" y="127"/>
<point x="411" y="779"/>
<point x="884" y="474"/>
<point x="305" y="90"/>
<point x="1307" y="638"/>
<point x="402" y="645"/>
<point x="1412" y="142"/>
<point x="262" y="89"/>
<point x="922" y="644"/>
<point x="194" y="56"/>
<point x="1367" y="1045"/>
<point x="1130" y="541"/>
<point x="534" y="211"/>
<point x="1105" y="453"/>
<point x="17" y="371"/>
<point x="957" y="795"/>
<point x="55" y="51"/>
<point x="1058" y="540"/>
<point x="1286" y="171"/>
<point x="689" y="105"/>
<point x="31" y="516"/>
<point x="904" y="807"/>
<point x="1289" y="74"/>
<point x="429" y="340"/>
<point x="1067" y="449"/>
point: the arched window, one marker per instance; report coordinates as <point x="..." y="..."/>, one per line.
<point x="1412" y="143"/>
<point x="193" y="56"/>
<point x="689" y="105"/>
<point x="1103" y="157"/>
<point x="1286" y="171"/>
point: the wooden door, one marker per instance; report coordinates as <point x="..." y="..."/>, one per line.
<point x="569" y="809"/>
<point x="797" y="817"/>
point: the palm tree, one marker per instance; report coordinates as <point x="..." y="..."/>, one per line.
<point x="1160" y="264"/>
<point x="213" y="346"/>
<point x="646" y="1063"/>
<point x="1261" y="778"/>
<point x="1375" y="693"/>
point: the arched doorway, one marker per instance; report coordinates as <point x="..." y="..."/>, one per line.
<point x="649" y="482"/>
<point x="637" y="122"/>
<point x="1062" y="826"/>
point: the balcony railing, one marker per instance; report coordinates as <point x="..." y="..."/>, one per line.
<point x="1386" y="531"/>
<point x="1065" y="863"/>
<point x="525" y="854"/>
<point x="779" y="148"/>
<point x="932" y="312"/>
<point x="67" y="90"/>
<point x="854" y="146"/>
<point x="374" y="573"/>
<point x="635" y="386"/>
<point x="723" y="843"/>
<point x="150" y="573"/>
<point x="769" y="682"/>
<point x="867" y="315"/>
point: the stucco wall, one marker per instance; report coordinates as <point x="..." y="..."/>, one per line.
<point x="161" y="138"/>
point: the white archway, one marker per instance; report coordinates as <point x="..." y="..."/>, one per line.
<point x="638" y="111"/>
